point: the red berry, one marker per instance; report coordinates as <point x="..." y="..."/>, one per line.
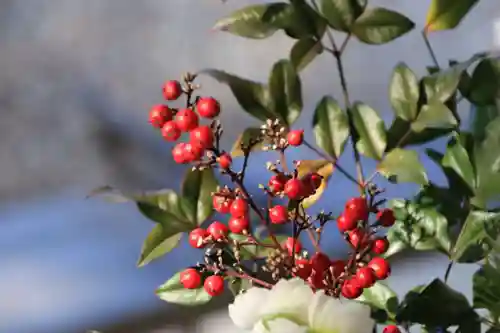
<point x="338" y="267"/>
<point x="380" y="245"/>
<point x="214" y="285"/>
<point x="238" y="224"/>
<point x="172" y="90"/>
<point x="320" y="262"/>
<point x="277" y="183"/>
<point x="365" y="277"/>
<point x="357" y="238"/>
<point x="221" y="204"/>
<point x="293" y="246"/>
<point x="295" y="137"/>
<point x="391" y="329"/>
<point x="170" y="131"/>
<point x="159" y="115"/>
<point x="386" y="217"/>
<point x="208" y="107"/>
<point x="193" y="151"/>
<point x="293" y="189"/>
<point x="278" y="214"/>
<point x="225" y="161"/>
<point x="317" y="279"/>
<point x="186" y="120"/>
<point x="239" y="208"/>
<point x="179" y="153"/>
<point x="196" y="238"/>
<point x="303" y="268"/>
<point x="380" y="267"/>
<point x="345" y="223"/>
<point x="190" y="278"/>
<point x="217" y="230"/>
<point x="357" y="209"/>
<point x="351" y="289"/>
<point x="204" y="135"/>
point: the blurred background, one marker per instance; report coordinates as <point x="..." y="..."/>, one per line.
<point x="76" y="80"/>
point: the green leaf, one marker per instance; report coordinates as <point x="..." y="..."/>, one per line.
<point x="286" y="91"/>
<point x="252" y="251"/>
<point x="249" y="136"/>
<point x="371" y="130"/>
<point x="483" y="115"/>
<point x="341" y="14"/>
<point x="197" y="190"/>
<point x="381" y="25"/>
<point x="161" y="206"/>
<point x="324" y="168"/>
<point x="486" y="157"/>
<point x="434" y="115"/>
<point x="382" y="297"/>
<point x="161" y="240"/>
<point x="436" y="305"/>
<point x="485" y="82"/>
<point x="447" y="14"/>
<point x="474" y="241"/>
<point x="174" y="292"/>
<point x="417" y="227"/>
<point x="330" y="126"/>
<point x="238" y="285"/>
<point x="304" y="21"/>
<point x="253" y="97"/>
<point x="403" y="166"/>
<point x="457" y="159"/>
<point x="304" y="51"/>
<point x="486" y="289"/>
<point x="401" y="135"/>
<point x="404" y="92"/>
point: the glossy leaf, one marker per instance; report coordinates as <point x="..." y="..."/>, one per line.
<point x="485" y="82"/>
<point x="322" y="167"/>
<point x="249" y="136"/>
<point x="380" y="296"/>
<point x="447" y="14"/>
<point x="404" y="92"/>
<point x="402" y="166"/>
<point x="482" y="117"/>
<point x="417" y="227"/>
<point x="197" y="190"/>
<point x="381" y="25"/>
<point x="161" y="240"/>
<point x="486" y="289"/>
<point x="341" y="14"/>
<point x="371" y="130"/>
<point x="304" y="21"/>
<point x="304" y="51"/>
<point x="286" y="91"/>
<point x="457" y="158"/>
<point x="330" y="126"/>
<point x="401" y="135"/>
<point x="174" y="292"/>
<point x="486" y="156"/>
<point x="253" y="97"/>
<point x="434" y="115"/>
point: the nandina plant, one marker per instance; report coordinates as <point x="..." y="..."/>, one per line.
<point x="257" y="250"/>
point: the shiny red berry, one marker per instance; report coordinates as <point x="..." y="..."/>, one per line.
<point x="190" y="278"/>
<point x="320" y="262"/>
<point x="351" y="289"/>
<point x="278" y="214"/>
<point x="380" y="245"/>
<point x="357" y="209"/>
<point x="380" y="267"/>
<point x="186" y="120"/>
<point x="293" y="189"/>
<point x="159" y="115"/>
<point x="365" y="277"/>
<point x="172" y="90"/>
<point x="218" y="230"/>
<point x="204" y="135"/>
<point x="179" y="153"/>
<point x="391" y="329"/>
<point x="303" y="268"/>
<point x="293" y="246"/>
<point x="225" y="161"/>
<point x="238" y="225"/>
<point x="214" y="285"/>
<point x="193" y="151"/>
<point x="295" y="137"/>
<point x="196" y="238"/>
<point x="221" y="204"/>
<point x="386" y="217"/>
<point x="357" y="238"/>
<point x="277" y="183"/>
<point x="239" y="208"/>
<point x="208" y="107"/>
<point x="170" y="131"/>
<point x="345" y="223"/>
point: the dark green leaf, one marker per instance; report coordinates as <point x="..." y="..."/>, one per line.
<point x="447" y="14"/>
<point x="286" y="91"/>
<point x="249" y="136"/>
<point x="404" y="92"/>
<point x="371" y="130"/>
<point x="485" y="82"/>
<point x="381" y="297"/>
<point x="174" y="292"/>
<point x="401" y="135"/>
<point x="341" y="14"/>
<point x="331" y="127"/>
<point x="446" y="201"/>
<point x="381" y="25"/>
<point x="486" y="289"/>
<point x="304" y="21"/>
<point x="403" y="166"/>
<point x="304" y="51"/>
<point x="434" y="115"/>
<point x="253" y="97"/>
<point x="457" y="159"/>
<point x="197" y="190"/>
<point x="161" y="240"/>
<point x="483" y="115"/>
<point x="486" y="157"/>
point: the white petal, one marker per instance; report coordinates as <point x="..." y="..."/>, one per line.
<point x="245" y="311"/>
<point x="279" y="325"/>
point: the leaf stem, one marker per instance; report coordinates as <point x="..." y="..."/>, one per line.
<point x="448" y="271"/>
<point x="430" y="49"/>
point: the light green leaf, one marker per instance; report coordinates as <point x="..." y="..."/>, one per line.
<point x="324" y="168"/>
<point x="457" y="159"/>
<point x="161" y="240"/>
<point x="371" y="130"/>
<point x="249" y="136"/>
<point x="304" y="51"/>
<point x="197" y="189"/>
<point x="404" y="92"/>
<point x="447" y="14"/>
<point x="174" y="292"/>
<point x="382" y="297"/>
<point x="402" y="166"/>
<point x="341" y="14"/>
<point x="434" y="115"/>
